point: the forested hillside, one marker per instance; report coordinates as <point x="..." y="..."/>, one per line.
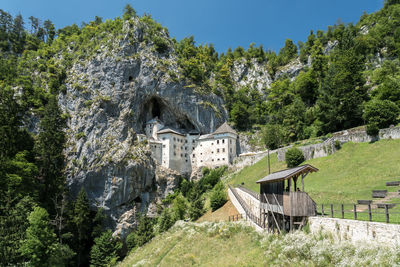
<point x="347" y="75"/>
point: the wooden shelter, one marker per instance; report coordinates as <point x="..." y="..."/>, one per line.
<point x="283" y="203"/>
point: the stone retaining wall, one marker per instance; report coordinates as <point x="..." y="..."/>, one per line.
<point x="327" y="147"/>
<point x="252" y="202"/>
<point x="353" y="230"/>
<point x="249" y="159"/>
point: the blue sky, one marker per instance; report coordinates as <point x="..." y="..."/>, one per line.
<point x="225" y="23"/>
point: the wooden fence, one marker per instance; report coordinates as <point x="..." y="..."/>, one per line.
<point x="236" y="217"/>
<point x="360" y="212"/>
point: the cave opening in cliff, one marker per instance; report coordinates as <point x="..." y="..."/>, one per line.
<point x="157" y="107"/>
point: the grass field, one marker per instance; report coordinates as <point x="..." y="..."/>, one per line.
<point x="234" y="244"/>
<point x="344" y="177"/>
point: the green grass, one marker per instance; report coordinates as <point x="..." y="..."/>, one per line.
<point x="344" y="177"/>
<point x="202" y="244"/>
<point x="234" y="244"/>
<point x="354" y="171"/>
<point x="250" y="174"/>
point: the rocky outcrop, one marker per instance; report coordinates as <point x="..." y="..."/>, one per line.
<point x="109" y="98"/>
<point x="291" y="70"/>
<point x="251" y="74"/>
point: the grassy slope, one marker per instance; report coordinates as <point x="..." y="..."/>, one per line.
<point x="227" y="244"/>
<point x="344" y="177"/>
<point x="198" y="245"/>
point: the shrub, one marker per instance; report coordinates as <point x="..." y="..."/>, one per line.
<point x="218" y="197"/>
<point x="380" y="114"/>
<point x="272" y="136"/>
<point x="165" y="221"/>
<point x="160" y="44"/>
<point x="196" y="209"/>
<point x="294" y="157"/>
<point x="337" y="144"/>
<point x="211" y="178"/>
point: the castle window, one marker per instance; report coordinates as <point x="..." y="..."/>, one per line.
<point x="182" y="147"/>
<point x="185" y="155"/>
<point x="163" y="138"/>
<point x="174" y="154"/>
<point x="174" y="139"/>
<point x="201" y="161"/>
<point x="174" y="146"/>
<point x="230" y="141"/>
<point x="194" y="155"/>
<point x="231" y="150"/>
<point x="185" y="141"/>
<point x="223" y="141"/>
<point x="185" y="147"/>
<point x="186" y="161"/>
<point x="218" y="150"/>
<point x="181" y="155"/>
<point x="212" y="144"/>
<point x="217" y="141"/>
<point x="223" y="150"/>
<point x="163" y="146"/>
<point x="193" y="141"/>
<point x="212" y="152"/>
<point x="218" y="159"/>
<point x="212" y="160"/>
<point x="223" y="158"/>
<point x="201" y="153"/>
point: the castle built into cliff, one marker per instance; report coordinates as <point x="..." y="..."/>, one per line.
<point x="188" y="151"/>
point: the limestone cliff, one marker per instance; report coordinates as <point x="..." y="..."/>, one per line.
<point x="108" y="98"/>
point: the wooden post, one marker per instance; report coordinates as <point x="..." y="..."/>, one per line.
<point x="387" y="213"/>
<point x="355" y="212"/>
<point x="302" y="182"/>
<point x="342" y="211"/>
<point x="369" y="212"/>
<point x="291" y="223"/>
<point x="322" y="210"/>
<point x="331" y="210"/>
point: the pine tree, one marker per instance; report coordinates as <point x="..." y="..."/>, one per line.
<point x="49" y="149"/>
<point x="82" y="223"/>
<point x="40" y="247"/>
<point x="165" y="221"/>
<point x="105" y="250"/>
<point x="129" y="12"/>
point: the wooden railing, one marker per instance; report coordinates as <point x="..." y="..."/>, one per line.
<point x="249" y="214"/>
<point x="298" y="204"/>
<point x="236" y="217"/>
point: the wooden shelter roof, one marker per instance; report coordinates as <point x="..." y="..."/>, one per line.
<point x="287" y="174"/>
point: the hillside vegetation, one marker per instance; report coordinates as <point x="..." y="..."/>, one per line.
<point x="344" y="177"/>
<point x="228" y="244"/>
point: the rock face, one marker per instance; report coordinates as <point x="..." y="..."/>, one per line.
<point x="109" y="97"/>
<point x="251" y="74"/>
